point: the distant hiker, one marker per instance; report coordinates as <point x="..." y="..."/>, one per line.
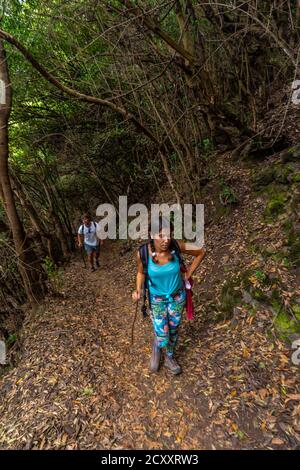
<point x="87" y="236"/>
<point x="159" y="270"/>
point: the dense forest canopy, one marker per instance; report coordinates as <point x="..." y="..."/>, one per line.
<point x="162" y="101"/>
<point x="119" y="97"/>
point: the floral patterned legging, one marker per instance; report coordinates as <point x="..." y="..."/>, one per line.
<point x="166" y="318"/>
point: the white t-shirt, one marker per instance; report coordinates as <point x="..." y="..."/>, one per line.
<point x="90" y="237"/>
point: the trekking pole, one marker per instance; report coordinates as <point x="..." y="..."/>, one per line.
<point x="82" y="256"/>
<point x="133" y="323"/>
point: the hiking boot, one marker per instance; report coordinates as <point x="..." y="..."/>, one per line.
<point x="172" y="365"/>
<point x="97" y="263"/>
<point x="93" y="269"/>
<point x="155" y="358"/>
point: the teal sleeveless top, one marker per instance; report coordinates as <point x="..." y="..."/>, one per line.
<point x="164" y="279"/>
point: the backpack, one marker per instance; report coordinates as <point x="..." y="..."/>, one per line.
<point x="144" y="255"/>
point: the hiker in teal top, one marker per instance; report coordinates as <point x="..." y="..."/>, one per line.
<point x="166" y="289"/>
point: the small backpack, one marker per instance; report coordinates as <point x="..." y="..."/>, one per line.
<point x="144" y="255"/>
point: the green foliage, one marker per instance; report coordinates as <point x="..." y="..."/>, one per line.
<point x="296" y="177"/>
<point x="296" y="311"/>
<point x="261" y="277"/>
<point x="2" y="212"/>
<point x="255" y="282"/>
<point x="87" y="392"/>
<point x="276" y="205"/>
<point x="264" y="291"/>
<point x="54" y="274"/>
<point x="12" y="338"/>
<point x="207" y="147"/>
<point x="227" y="195"/>
<point x="286" y="325"/>
<point x="71" y="154"/>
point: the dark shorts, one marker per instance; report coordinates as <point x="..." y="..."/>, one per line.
<point x="90" y="248"/>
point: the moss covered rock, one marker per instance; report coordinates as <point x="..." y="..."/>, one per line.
<point x="286" y="325"/>
<point x="231" y="296"/>
<point x="257" y="290"/>
<point x="294" y="246"/>
<point x="276" y="204"/>
<point x="292" y="154"/>
<point x="263" y="178"/>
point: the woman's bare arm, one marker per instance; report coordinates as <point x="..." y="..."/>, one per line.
<point x="139" y="279"/>
<point x="197" y="252"/>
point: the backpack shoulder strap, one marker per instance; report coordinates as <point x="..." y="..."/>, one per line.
<point x="144" y="255"/>
<point x="95" y="225"/>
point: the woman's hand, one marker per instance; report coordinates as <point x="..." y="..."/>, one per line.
<point x="187" y="275"/>
<point x="136" y="295"/>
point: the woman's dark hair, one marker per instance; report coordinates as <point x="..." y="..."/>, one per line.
<point x="86" y="215"/>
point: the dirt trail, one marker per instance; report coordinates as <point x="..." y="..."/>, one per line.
<point x="78" y="386"/>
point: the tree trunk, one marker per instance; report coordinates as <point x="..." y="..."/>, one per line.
<point x="46" y="239"/>
<point x="57" y="222"/>
<point x="28" y="265"/>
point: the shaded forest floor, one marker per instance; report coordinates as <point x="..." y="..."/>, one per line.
<point x="78" y="385"/>
<point x="74" y="380"/>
